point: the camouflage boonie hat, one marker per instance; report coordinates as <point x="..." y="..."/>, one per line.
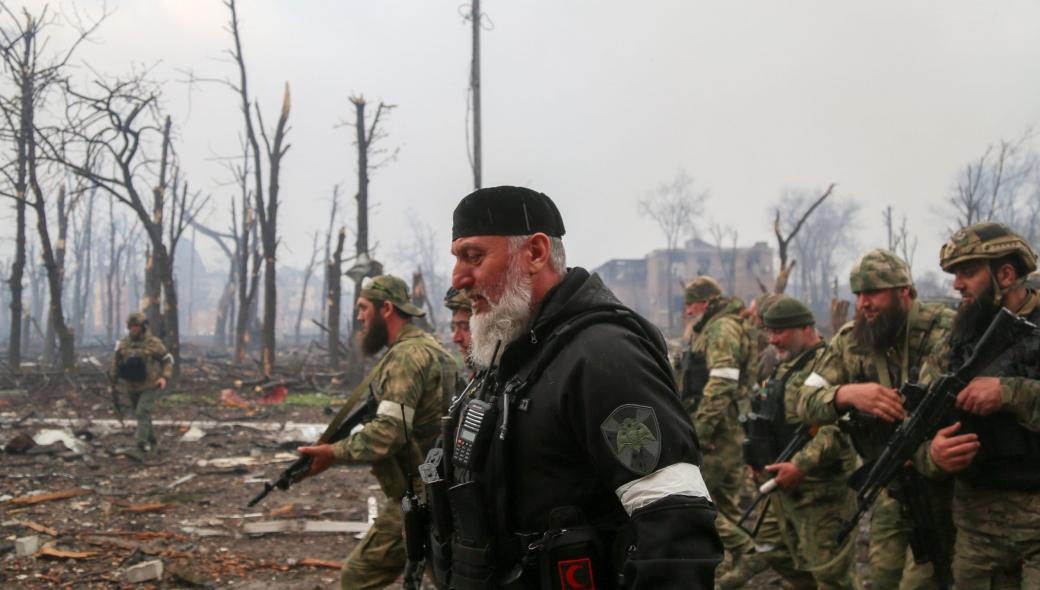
<point x="879" y="269"/>
<point x="456" y="300"/>
<point x="702" y="288"/>
<point x="985" y="241"/>
<point x="136" y="319"/>
<point x="787" y="312"/>
<point x="392" y="289"/>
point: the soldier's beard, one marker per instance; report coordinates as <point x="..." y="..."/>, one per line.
<point x="376" y="336"/>
<point x="973" y="318"/>
<point x="882" y="332"/>
<point x="505" y="321"/>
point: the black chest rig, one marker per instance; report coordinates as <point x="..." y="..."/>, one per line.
<point x="468" y="487"/>
<point x="1009" y="455"/>
<point x="693" y="376"/>
<point x="768" y="432"/>
<point x="133" y="366"/>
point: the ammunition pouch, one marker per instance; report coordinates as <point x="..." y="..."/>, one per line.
<point x="767" y="430"/>
<point x="571" y="554"/>
<point x="472" y="558"/>
<point x="133" y="369"/>
<point x="1009" y="454"/>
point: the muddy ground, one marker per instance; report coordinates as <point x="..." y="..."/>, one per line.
<point x="185" y="505"/>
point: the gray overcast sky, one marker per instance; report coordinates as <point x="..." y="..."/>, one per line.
<point x="595" y="102"/>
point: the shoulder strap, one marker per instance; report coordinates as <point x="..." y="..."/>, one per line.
<point x="799" y="363"/>
<point x="352" y="400"/>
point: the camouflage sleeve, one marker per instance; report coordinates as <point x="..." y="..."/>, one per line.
<point x="1022" y="396"/>
<point x="398" y="390"/>
<point x="816" y="396"/>
<point x="723" y="359"/>
<point x="165" y="360"/>
<point x="924" y="465"/>
<point x="828" y="447"/>
<point x="113" y="372"/>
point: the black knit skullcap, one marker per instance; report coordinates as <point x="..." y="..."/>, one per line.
<point x="787" y="312"/>
<point x="506" y="211"/>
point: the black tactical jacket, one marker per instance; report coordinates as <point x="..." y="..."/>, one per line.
<point x="603" y="415"/>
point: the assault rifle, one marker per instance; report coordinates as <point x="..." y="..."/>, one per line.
<point x="801" y="437"/>
<point x="935" y="410"/>
<point x="299" y="468"/>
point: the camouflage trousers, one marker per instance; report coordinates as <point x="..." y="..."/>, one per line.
<point x="724" y="473"/>
<point x="891" y="560"/>
<point x="798" y="538"/>
<point x="998" y="538"/>
<point x="144" y="404"/>
<point x="379" y="559"/>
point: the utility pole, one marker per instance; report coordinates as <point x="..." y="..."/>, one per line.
<point x="474" y="84"/>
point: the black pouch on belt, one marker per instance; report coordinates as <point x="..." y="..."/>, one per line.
<point x="472" y="561"/>
<point x="573" y="556"/>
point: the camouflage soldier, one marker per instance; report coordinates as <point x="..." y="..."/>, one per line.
<point x="141" y="367"/>
<point x="995" y="448"/>
<point x="413" y="383"/>
<point x="461" y="310"/>
<point x="887" y="344"/>
<point x="798" y="535"/>
<point x="717" y="376"/>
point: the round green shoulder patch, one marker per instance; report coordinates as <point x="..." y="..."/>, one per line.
<point x="634" y="437"/>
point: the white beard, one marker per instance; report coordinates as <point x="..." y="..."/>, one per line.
<point x="508" y="319"/>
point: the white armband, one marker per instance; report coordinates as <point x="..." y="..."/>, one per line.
<point x="678" y="479"/>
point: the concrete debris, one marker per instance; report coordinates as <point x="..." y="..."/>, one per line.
<point x="145" y="572"/>
<point x="304" y="526"/>
<point x="66" y="437"/>
<point x="180" y="480"/>
<point x="26" y="546"/>
<point x="21" y="443"/>
<point x="225" y="462"/>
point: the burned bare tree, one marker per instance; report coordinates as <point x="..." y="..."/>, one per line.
<point x="674" y="206"/>
<point x="334" y="271"/>
<point x="784" y="242"/>
<point x="900" y="240"/>
<point x="113" y="129"/>
<point x="727" y="255"/>
<point x="328" y="251"/>
<point x="35" y="74"/>
<point x="266" y="200"/>
<point x="307" y="273"/>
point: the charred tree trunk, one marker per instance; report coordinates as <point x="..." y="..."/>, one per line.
<point x="334" y="270"/>
<point x="303" y="291"/>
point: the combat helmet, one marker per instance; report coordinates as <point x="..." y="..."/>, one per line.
<point x="136" y="318"/>
<point x="986" y="241"/>
<point x="702" y="288"/>
<point x="879" y="269"/>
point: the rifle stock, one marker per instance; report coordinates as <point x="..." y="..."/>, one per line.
<point x="801" y="437"/>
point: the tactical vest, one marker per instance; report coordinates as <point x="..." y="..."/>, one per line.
<point x="463" y="547"/>
<point x="766" y="426"/>
<point x="1009" y="453"/>
<point x="693" y="376"/>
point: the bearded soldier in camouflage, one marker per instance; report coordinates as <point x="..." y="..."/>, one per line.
<point x="995" y="447"/>
<point x="716" y="376"/>
<point x="887" y="344"/>
<point x="798" y="536"/>
<point x="141" y="366"/>
<point x="461" y="311"/>
<point x="413" y="383"/>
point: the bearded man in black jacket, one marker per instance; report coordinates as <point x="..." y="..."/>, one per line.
<point x="590" y="475"/>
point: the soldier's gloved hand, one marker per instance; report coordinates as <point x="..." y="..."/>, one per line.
<point x="323" y="458"/>
<point x="872" y="398"/>
<point x="953" y="452"/>
<point x="982" y="396"/>
<point x="788" y="475"/>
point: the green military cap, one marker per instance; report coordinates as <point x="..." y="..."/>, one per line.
<point x="787" y="312"/>
<point x="879" y="269"/>
<point x="392" y="289"/>
<point x="456" y="300"/>
<point x="702" y="288"/>
<point x="986" y="241"/>
<point x="136" y="318"/>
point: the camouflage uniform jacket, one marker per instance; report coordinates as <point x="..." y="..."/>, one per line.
<point x="146" y="349"/>
<point x="720" y="338"/>
<point x="415" y="384"/>
<point x="846" y="362"/>
<point x="828" y="458"/>
<point x="987" y="510"/>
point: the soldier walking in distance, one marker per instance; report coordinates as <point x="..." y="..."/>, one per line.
<point x="412" y="382"/>
<point x="994" y="449"/>
<point x="141" y="368"/>
<point x="886" y="345"/>
<point x="572" y="464"/>
<point x="717" y="375"/>
<point x="798" y="536"/>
